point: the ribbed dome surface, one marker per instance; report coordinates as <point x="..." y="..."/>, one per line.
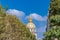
<point x="30" y="25"/>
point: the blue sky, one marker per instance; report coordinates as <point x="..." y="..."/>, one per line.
<point x="38" y="9"/>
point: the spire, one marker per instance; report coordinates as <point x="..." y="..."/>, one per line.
<point x="30" y="19"/>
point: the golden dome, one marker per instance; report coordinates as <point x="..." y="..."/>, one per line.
<point x="31" y="27"/>
<point x="30" y="24"/>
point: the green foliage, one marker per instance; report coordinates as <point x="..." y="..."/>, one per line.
<point x="54" y="31"/>
<point x="55" y="20"/>
<point x="11" y="28"/>
<point x="54" y="28"/>
<point x="55" y="7"/>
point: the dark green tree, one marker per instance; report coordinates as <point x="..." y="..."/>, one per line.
<point x="54" y="21"/>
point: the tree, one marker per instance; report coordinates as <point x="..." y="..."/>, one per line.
<point x="54" y="18"/>
<point x="11" y="28"/>
<point x="54" y="8"/>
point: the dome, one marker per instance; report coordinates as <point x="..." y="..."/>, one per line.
<point x="30" y="25"/>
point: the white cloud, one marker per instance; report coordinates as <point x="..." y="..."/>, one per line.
<point x="16" y="12"/>
<point x="42" y="29"/>
<point x="21" y="14"/>
<point x="39" y="39"/>
<point x="37" y="17"/>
